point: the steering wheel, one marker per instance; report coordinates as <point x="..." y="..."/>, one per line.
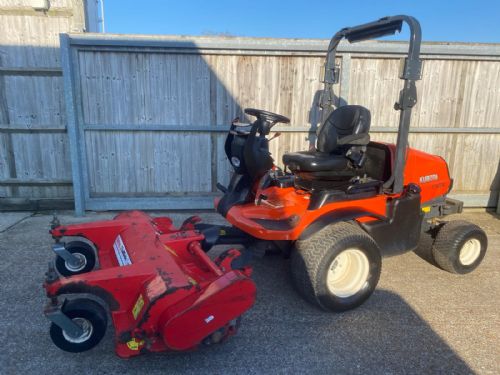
<point x="266" y="116"/>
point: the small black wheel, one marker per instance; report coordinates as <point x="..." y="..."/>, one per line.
<point x="336" y="268"/>
<point x="459" y="246"/>
<point x="87" y="314"/>
<point x="222" y="334"/>
<point x="86" y="257"/>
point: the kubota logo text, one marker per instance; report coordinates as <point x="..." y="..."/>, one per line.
<point x="429" y="178"/>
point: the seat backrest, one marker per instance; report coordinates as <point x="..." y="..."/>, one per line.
<point x="348" y="120"/>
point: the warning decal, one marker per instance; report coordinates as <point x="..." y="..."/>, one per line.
<point x="121" y="252"/>
<point x="139" y="304"/>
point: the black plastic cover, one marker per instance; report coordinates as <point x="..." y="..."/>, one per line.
<point x="373" y="30"/>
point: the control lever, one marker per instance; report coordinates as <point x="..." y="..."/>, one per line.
<point x="221" y="187"/>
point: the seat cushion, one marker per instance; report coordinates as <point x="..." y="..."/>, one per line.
<point x="314" y="161"/>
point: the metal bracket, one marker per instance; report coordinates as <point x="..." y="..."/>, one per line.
<point x="452" y="206"/>
<point x="51" y="275"/>
<point x="60" y="250"/>
<point x="410" y="69"/>
<point x="407" y="97"/>
<point x="332" y="76"/>
<point x="55" y="315"/>
<point x="55" y="222"/>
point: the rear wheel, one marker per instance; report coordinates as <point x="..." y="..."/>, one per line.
<point x="337" y="268"/>
<point x="90" y="316"/>
<point x="459" y="246"/>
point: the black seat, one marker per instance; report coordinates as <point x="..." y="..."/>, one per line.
<point x="340" y="147"/>
<point x="314" y="161"/>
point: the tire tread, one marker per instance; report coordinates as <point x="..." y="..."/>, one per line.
<point x="307" y="258"/>
<point x="81" y="307"/>
<point x="449" y="237"/>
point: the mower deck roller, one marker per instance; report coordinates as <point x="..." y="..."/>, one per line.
<point x="162" y="290"/>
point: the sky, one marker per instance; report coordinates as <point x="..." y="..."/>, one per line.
<point x="441" y="20"/>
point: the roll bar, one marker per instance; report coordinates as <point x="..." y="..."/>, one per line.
<point x="410" y="73"/>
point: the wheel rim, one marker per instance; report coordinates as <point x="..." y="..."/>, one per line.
<point x="82" y="262"/>
<point x="348" y="273"/>
<point x="470" y="251"/>
<point x="87" y="328"/>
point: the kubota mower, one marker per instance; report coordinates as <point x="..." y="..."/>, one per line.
<point x="349" y="200"/>
<point x="335" y="210"/>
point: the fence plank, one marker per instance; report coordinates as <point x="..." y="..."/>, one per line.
<point x="144" y="162"/>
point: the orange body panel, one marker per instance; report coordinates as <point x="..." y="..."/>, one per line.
<point x="430" y="172"/>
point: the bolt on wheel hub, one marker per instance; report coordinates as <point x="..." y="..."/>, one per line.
<point x="87" y="329"/>
<point x="76" y="266"/>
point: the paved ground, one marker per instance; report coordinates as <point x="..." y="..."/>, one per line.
<point x="420" y="319"/>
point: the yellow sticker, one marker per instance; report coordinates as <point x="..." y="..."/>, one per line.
<point x="426" y="209"/>
<point x="134" y="344"/>
<point x="139" y="304"/>
<point x="222" y="232"/>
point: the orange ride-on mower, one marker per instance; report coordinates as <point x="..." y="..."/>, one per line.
<point x="335" y="211"/>
<point x="349" y="200"/>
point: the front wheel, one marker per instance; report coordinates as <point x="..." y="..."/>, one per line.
<point x="86" y="259"/>
<point x="459" y="246"/>
<point x="337" y="268"/>
<point x="90" y="316"/>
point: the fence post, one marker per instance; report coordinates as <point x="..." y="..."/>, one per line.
<point x="345" y="79"/>
<point x="5" y="121"/>
<point x="71" y="124"/>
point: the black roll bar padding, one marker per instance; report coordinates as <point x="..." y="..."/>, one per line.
<point x="411" y="73"/>
<point x="372" y="30"/>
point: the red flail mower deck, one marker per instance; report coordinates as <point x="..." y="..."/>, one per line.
<point x="162" y="290"/>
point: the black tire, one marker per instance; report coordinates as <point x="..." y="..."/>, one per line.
<point x="312" y="258"/>
<point x="91" y="312"/>
<point x="83" y="250"/>
<point x="453" y="238"/>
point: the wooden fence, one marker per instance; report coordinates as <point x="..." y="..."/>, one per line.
<point x="146" y="116"/>
<point x="35" y="168"/>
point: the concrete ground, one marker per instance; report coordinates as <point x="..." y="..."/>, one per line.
<point x="420" y="320"/>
